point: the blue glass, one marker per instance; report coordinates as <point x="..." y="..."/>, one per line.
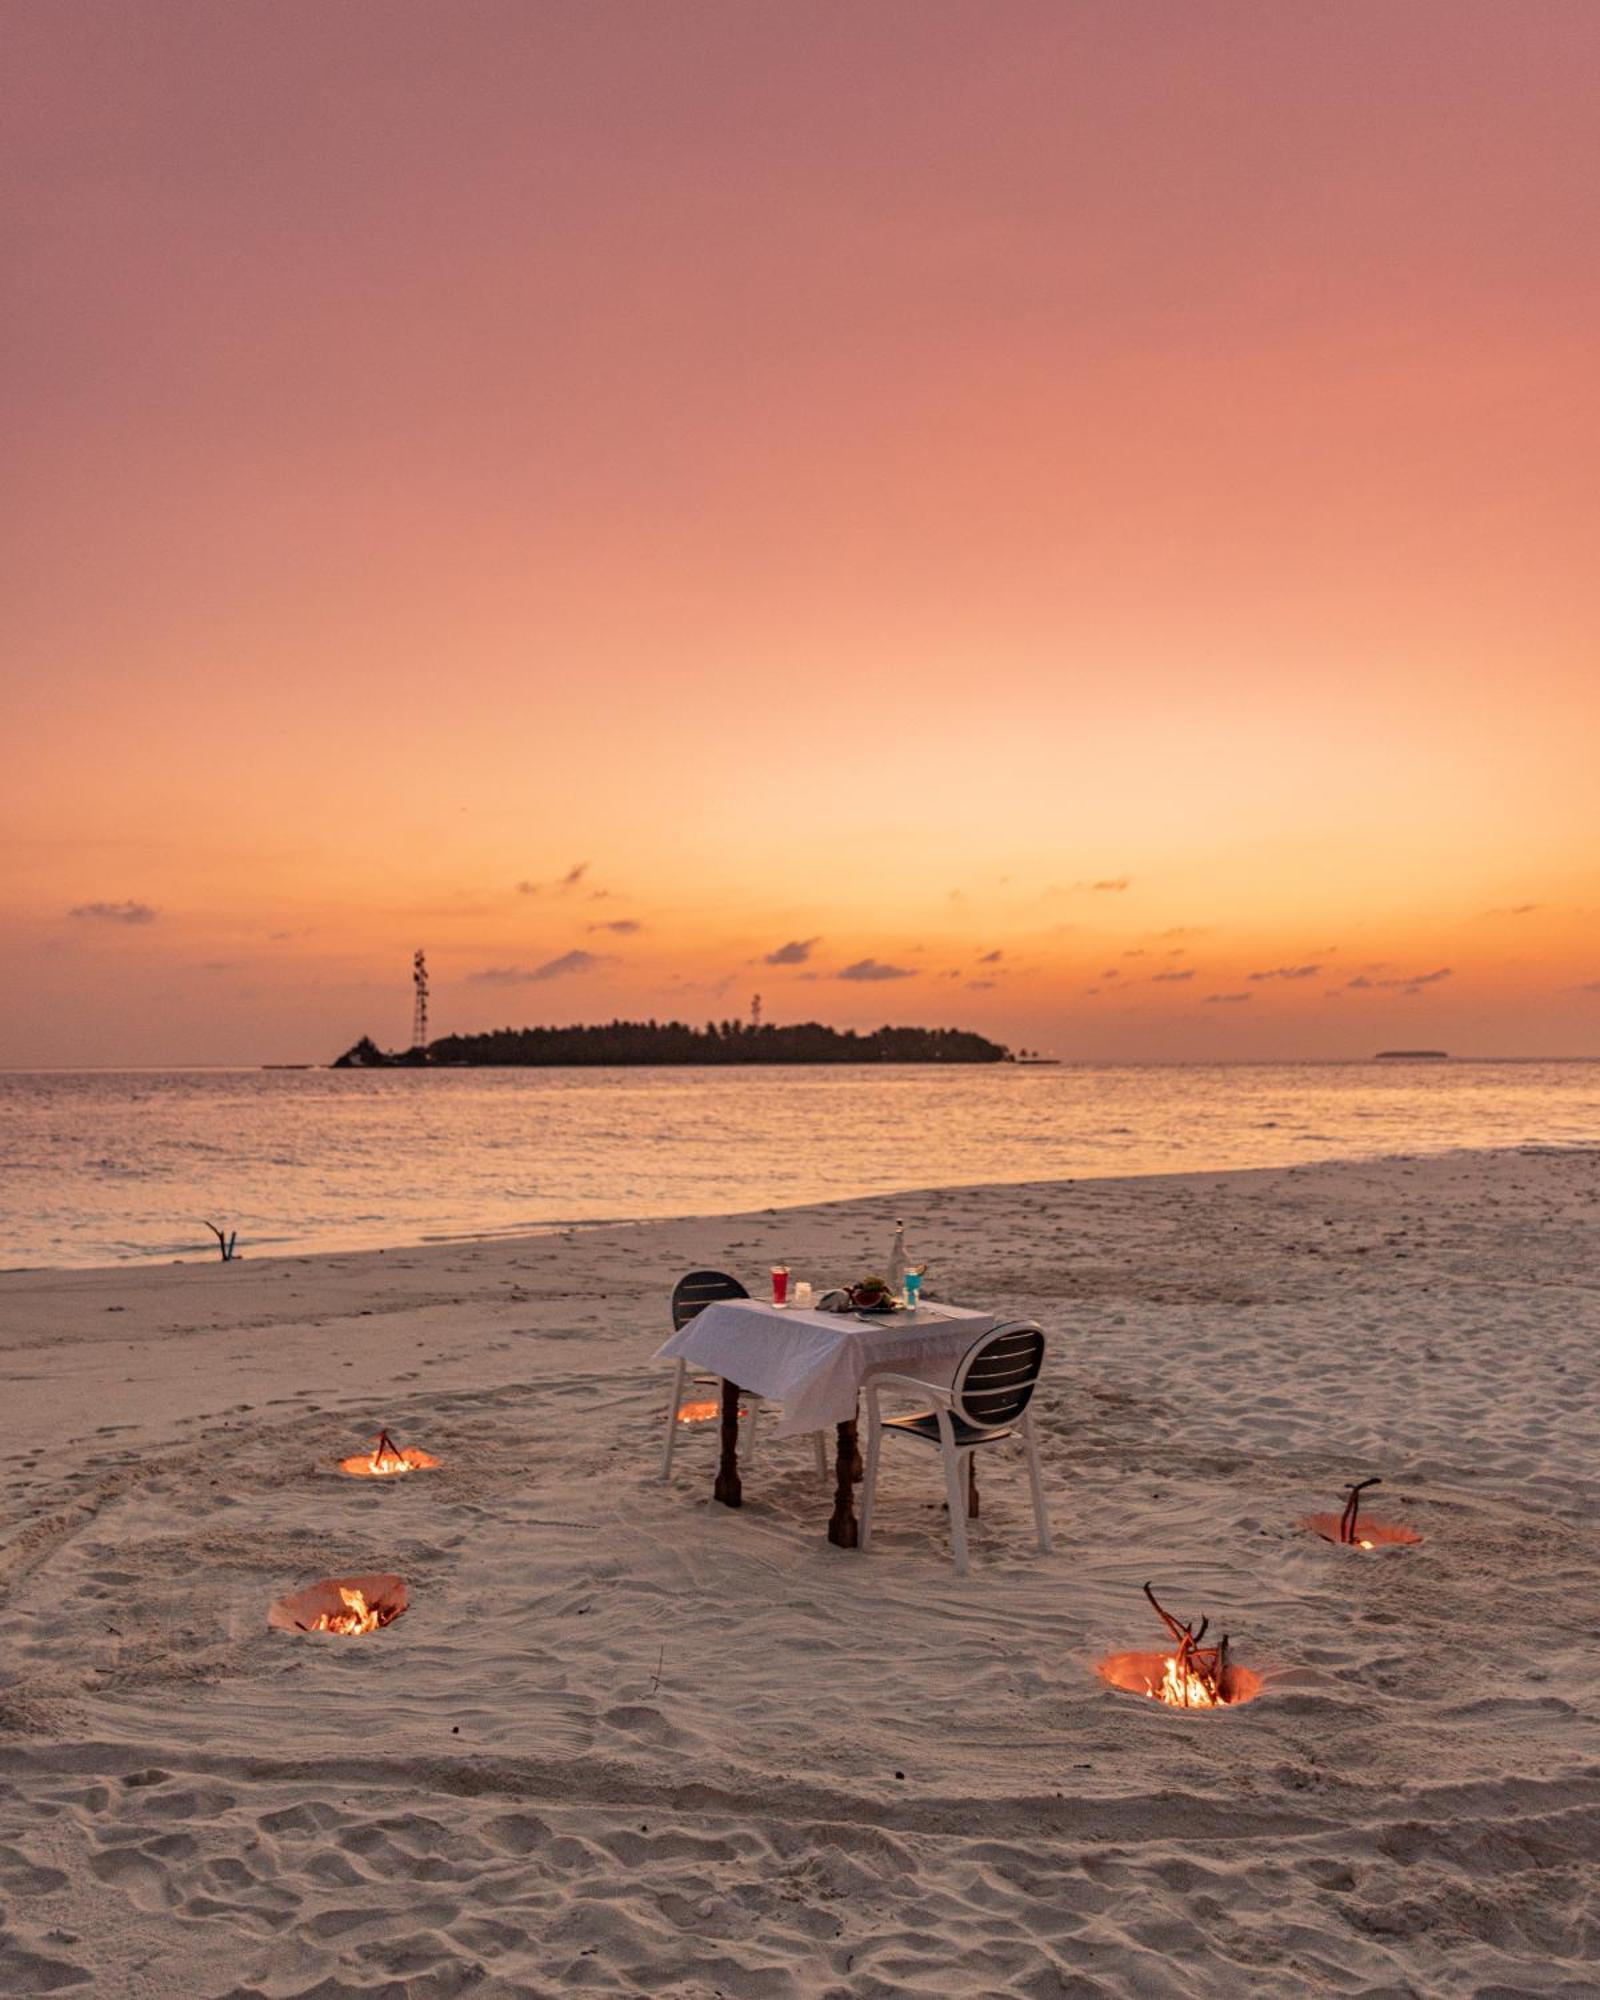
<point x="913" y="1288"/>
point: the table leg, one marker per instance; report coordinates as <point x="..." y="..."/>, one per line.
<point x="842" y="1528"/>
<point x="972" y="1487"/>
<point x="727" y="1488"/>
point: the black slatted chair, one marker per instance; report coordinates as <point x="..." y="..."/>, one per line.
<point x="690" y="1296"/>
<point x="988" y="1401"/>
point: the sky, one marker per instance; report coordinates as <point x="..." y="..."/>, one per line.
<point x="1072" y="520"/>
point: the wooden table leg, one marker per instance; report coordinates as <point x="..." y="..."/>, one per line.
<point x="842" y="1530"/>
<point x="727" y="1488"/>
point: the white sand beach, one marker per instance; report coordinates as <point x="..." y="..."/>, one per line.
<point x="627" y="1741"/>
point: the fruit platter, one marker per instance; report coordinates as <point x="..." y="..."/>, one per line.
<point x="872" y="1295"/>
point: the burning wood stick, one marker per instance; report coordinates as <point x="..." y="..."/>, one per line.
<point x="1347" y="1520"/>
<point x="1207" y="1664"/>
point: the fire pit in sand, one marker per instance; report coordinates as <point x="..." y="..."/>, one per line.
<point x="1352" y="1530"/>
<point x="349" y="1605"/>
<point x="1192" y="1676"/>
<point x="386" y="1459"/>
<point x="705" y="1412"/>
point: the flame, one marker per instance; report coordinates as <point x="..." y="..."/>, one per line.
<point x="1364" y="1545"/>
<point x="699" y="1413"/>
<point x="386" y="1459"/>
<point x="358" y="1617"/>
<point x="1182" y="1687"/>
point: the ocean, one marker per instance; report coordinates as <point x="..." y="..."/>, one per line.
<point x="102" y="1167"/>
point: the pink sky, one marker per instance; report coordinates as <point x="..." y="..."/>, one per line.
<point x="846" y="476"/>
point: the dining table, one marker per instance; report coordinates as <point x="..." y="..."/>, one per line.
<point x="814" y="1363"/>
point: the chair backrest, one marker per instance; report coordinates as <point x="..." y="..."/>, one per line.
<point x="998" y="1374"/>
<point x="698" y="1289"/>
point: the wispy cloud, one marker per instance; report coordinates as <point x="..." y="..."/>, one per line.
<point x="1111" y="885"/>
<point x="1406" y="982"/>
<point x="114" y="913"/>
<point x="560" y="885"/>
<point x="1515" y="910"/>
<point x="795" y="952"/>
<point x="1228" y="999"/>
<point x="991" y="958"/>
<point x="980" y="985"/>
<point x="1171" y="978"/>
<point x="620" y="927"/>
<point x="525" y="975"/>
<point x="1286" y="972"/>
<point x="870" y="969"/>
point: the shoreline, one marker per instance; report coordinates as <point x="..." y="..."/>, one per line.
<point x="515" y="1233"/>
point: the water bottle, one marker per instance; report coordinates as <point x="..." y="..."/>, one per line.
<point x="898" y="1265"/>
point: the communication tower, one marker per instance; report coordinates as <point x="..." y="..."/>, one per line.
<point x="755" y="1011"/>
<point x="419" y="1010"/>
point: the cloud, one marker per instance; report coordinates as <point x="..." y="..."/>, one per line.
<point x="1227" y="999"/>
<point x="563" y="885"/>
<point x="1407" y="983"/>
<point x="1113" y="885"/>
<point x="1138" y="953"/>
<point x="114" y="913"/>
<point x="1588" y="986"/>
<point x="1186" y="930"/>
<point x="991" y="958"/>
<point x="620" y="927"/>
<point x="866" y="969"/>
<point x="980" y="985"/>
<point x="795" y="952"/>
<point x="1516" y="910"/>
<point x="521" y="975"/>
<point x="1171" y="978"/>
<point x="1286" y="972"/>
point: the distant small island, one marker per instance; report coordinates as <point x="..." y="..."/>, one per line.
<point x="621" y="1043"/>
<point x="1412" y="1055"/>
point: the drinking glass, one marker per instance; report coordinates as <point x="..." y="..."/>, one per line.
<point x="802" y="1292"/>
<point x="913" y="1288"/>
<point x="780" y="1284"/>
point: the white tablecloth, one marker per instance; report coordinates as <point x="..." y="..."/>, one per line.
<point x="815" y="1362"/>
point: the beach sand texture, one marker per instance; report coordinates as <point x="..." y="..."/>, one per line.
<point x="625" y="1741"/>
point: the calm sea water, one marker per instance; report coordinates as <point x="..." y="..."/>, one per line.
<point x="97" y="1167"/>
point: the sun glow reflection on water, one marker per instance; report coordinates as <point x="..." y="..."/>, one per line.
<point x="101" y="1166"/>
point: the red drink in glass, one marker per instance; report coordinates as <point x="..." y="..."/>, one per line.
<point x="780" y="1284"/>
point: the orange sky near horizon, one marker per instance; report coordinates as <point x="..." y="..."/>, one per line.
<point x="1080" y="520"/>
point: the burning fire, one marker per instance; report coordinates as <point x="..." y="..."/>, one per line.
<point x="701" y="1413"/>
<point x="1182" y="1686"/>
<point x="348" y="1605"/>
<point x="1192" y="1676"/>
<point x="386" y="1459"/>
<point x="358" y="1616"/>
<point x="1352" y="1529"/>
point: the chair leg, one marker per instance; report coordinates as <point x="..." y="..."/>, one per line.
<point x="956" y="1492"/>
<point x="822" y="1456"/>
<point x="1040" y="1518"/>
<point x="672" y="1418"/>
<point x="869" y="1484"/>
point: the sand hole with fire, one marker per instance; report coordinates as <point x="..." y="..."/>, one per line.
<point x="1191" y="1676"/>
<point x="387" y="1460"/>
<point x="1352" y="1529"/>
<point x="351" y="1606"/>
